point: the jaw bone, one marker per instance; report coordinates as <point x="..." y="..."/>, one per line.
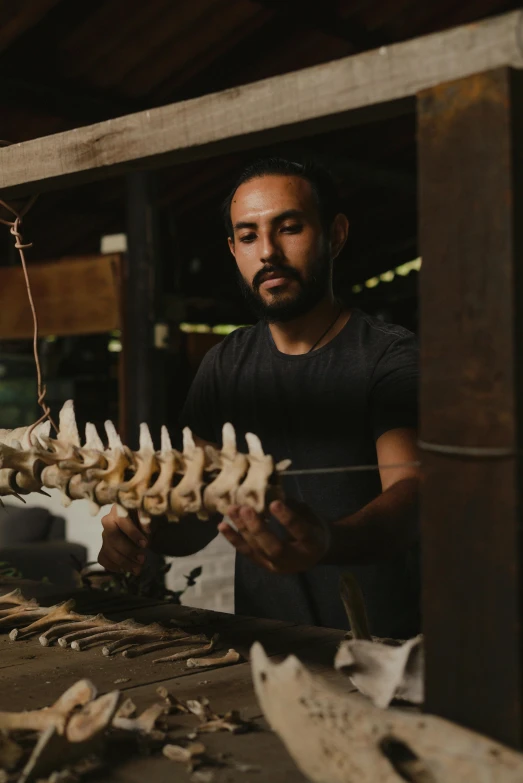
<point x="338" y="737"/>
<point x="153" y="483"/>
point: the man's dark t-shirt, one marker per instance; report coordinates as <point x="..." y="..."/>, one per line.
<point x="322" y="409"/>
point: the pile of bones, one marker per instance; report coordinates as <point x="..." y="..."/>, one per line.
<point x="167" y="482"/>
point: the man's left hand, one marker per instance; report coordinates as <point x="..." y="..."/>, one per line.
<point x="306" y="544"/>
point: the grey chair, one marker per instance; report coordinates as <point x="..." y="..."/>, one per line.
<point x="32" y="540"/>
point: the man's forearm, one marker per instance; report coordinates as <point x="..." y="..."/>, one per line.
<point x="385" y="526"/>
<point x="180" y="539"/>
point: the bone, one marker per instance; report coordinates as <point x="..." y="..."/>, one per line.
<point x="338" y="737"/>
<point x="261" y="467"/>
<point x="22" y="617"/>
<point x="56" y="632"/>
<point x="131" y="493"/>
<point x="53" y="614"/>
<point x="156" y="499"/>
<point x="133" y="634"/>
<point x="93" y="718"/>
<point x="101" y="636"/>
<point x="78" y="695"/>
<point x="16" y="598"/>
<point x="143" y="649"/>
<point x="166" y="482"/>
<point x="230" y="657"/>
<point x="126" y="709"/>
<point x="144" y="723"/>
<point x="185" y="654"/>
<point x="383" y="672"/>
<point x="221" y="493"/>
<point x="186" y="497"/>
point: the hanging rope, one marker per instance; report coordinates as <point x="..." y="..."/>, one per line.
<point x="14" y="228"/>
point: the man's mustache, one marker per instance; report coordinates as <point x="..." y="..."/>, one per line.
<point x="272" y="270"/>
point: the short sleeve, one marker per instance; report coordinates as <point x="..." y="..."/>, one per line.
<point x="199" y="411"/>
<point x="393" y="394"/>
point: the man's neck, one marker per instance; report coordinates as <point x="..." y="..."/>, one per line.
<point x="300" y="335"/>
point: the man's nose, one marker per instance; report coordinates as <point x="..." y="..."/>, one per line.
<point x="269" y="250"/>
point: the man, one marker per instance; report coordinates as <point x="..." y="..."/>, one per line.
<point x="322" y="385"/>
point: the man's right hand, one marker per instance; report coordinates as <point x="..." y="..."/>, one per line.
<point x="123" y="544"/>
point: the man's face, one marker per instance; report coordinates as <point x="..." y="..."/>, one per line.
<point x="282" y="255"/>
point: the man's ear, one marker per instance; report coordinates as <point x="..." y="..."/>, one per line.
<point x="339" y="234"/>
<point x="230" y="240"/>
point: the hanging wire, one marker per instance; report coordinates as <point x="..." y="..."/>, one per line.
<point x="14" y="228"/>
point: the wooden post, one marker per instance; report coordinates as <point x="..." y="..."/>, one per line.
<point x="471" y="231"/>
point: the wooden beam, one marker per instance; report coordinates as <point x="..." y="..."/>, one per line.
<point x="471" y="197"/>
<point x="295" y="104"/>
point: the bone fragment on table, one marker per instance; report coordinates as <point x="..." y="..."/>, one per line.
<point x="53" y="614"/>
<point x="384" y="672"/>
<point x="16" y="599"/>
<point x="101" y="635"/>
<point x="144" y="723"/>
<point x="142" y="649"/>
<point x="221" y="493"/>
<point x="57" y="715"/>
<point x="145" y="634"/>
<point x="75" y="629"/>
<point x="126" y="709"/>
<point x="93" y="718"/>
<point x="230" y="657"/>
<point x="184" y="654"/>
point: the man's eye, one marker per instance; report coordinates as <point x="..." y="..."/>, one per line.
<point x="248" y="237"/>
<point x="292" y="228"/>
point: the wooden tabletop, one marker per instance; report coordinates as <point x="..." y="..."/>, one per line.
<point x="32" y="676"/>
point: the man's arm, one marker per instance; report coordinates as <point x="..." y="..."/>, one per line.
<point x="378" y="531"/>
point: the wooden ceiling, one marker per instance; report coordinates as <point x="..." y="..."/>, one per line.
<point x="66" y="64"/>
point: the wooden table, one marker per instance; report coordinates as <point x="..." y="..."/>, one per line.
<point x="32" y="676"/>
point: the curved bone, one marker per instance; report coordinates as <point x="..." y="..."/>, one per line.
<point x="56" y="631"/>
<point x="78" y="695"/>
<point x="184" y="654"/>
<point x="221" y="493"/>
<point x="119" y="459"/>
<point x="170" y="462"/>
<point x="93" y="718"/>
<point x="17" y="598"/>
<point x="230" y="657"/>
<point x="100" y="637"/>
<point x="383" y="672"/>
<point x="53" y="614"/>
<point x="186" y="498"/>
<point x="139" y="634"/>
<point x="130" y="493"/>
<point x="143" y="649"/>
<point x="261" y="468"/>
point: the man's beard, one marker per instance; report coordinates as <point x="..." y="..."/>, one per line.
<point x="285" y="307"/>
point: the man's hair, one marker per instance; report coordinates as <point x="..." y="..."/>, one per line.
<point x="319" y="178"/>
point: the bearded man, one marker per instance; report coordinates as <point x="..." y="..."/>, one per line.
<point x="321" y="384"/>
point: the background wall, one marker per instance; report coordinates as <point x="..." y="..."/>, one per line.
<point x="214" y="589"/>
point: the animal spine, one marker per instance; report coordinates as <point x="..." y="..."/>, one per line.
<point x="165" y="482"/>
